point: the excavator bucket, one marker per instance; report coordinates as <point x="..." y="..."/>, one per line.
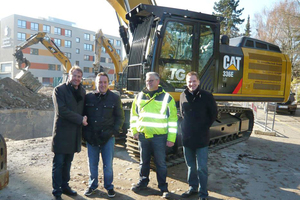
<point x="4" y="174"/>
<point x="29" y="81"/>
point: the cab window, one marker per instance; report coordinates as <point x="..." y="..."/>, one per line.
<point x="175" y="58"/>
<point x="206" y="44"/>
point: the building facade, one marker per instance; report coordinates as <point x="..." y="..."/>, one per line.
<point x="77" y="44"/>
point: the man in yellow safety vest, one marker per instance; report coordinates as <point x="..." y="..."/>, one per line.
<point x="153" y="123"/>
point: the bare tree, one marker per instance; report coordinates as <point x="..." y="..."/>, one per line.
<point x="280" y="25"/>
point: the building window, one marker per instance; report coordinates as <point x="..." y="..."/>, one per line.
<point x="103" y="50"/>
<point x="51" y="67"/>
<point x="6" y="67"/>
<point x="57" y="31"/>
<point x="88" y="47"/>
<point x="58" y="67"/>
<point x="86" y="57"/>
<point x="118" y="43"/>
<point x="57" y="42"/>
<point x="78" y="51"/>
<point x="34" y="51"/>
<point x="21" y="36"/>
<point x="118" y="51"/>
<point x="77" y="39"/>
<point x="111" y="41"/>
<point x="86" y="69"/>
<point x="109" y="60"/>
<point x="68" y="43"/>
<point x="34" y="26"/>
<point x="46" y="28"/>
<point x="87" y="36"/>
<point x="102" y="59"/>
<point x="46" y="81"/>
<point x="68" y="55"/>
<point x="21" y="24"/>
<point x="77" y="63"/>
<point x="68" y="33"/>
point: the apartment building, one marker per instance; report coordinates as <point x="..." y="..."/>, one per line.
<point x="77" y="44"/>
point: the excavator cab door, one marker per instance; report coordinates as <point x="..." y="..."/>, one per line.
<point x="186" y="45"/>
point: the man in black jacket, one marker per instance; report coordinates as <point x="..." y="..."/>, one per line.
<point x="68" y="100"/>
<point x="198" y="110"/>
<point x="105" y="118"/>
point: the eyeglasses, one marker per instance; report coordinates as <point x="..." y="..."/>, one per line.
<point x="150" y="81"/>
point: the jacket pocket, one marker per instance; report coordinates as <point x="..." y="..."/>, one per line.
<point x="108" y="110"/>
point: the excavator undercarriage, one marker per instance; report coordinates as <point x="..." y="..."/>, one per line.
<point x="234" y="125"/>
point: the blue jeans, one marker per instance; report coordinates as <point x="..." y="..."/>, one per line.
<point x="196" y="161"/>
<point x="61" y="172"/>
<point x="107" y="154"/>
<point x="157" y="146"/>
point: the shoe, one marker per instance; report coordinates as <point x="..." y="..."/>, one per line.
<point x="189" y="193"/>
<point x="111" y="193"/>
<point x="138" y="187"/>
<point x="69" y="191"/>
<point x="166" y="195"/>
<point x="89" y="191"/>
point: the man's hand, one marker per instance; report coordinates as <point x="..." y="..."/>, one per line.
<point x="170" y="144"/>
<point x="136" y="136"/>
<point x="84" y="121"/>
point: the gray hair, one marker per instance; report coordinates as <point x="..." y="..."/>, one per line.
<point x="154" y="74"/>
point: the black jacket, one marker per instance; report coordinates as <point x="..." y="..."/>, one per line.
<point x="68" y="110"/>
<point x="105" y="117"/>
<point x="198" y="111"/>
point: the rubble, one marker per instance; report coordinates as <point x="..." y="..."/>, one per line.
<point x="14" y="95"/>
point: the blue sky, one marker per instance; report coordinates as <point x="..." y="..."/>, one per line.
<point x="96" y="14"/>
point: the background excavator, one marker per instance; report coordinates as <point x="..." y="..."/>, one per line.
<point x="25" y="77"/>
<point x="173" y="42"/>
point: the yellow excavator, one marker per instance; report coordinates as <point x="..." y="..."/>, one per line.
<point x="25" y="77"/>
<point x="173" y="42"/>
<point x="119" y="65"/>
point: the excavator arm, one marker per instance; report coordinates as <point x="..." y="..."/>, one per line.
<point x="122" y="7"/>
<point x="48" y="43"/>
<point x="102" y="41"/>
<point x="24" y="76"/>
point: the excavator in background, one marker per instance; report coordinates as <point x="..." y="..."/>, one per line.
<point x="102" y="41"/>
<point x="173" y="42"/>
<point x="24" y="76"/>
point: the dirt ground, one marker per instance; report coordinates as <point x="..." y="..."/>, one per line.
<point x="14" y="95"/>
<point x="263" y="167"/>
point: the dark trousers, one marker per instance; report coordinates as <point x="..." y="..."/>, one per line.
<point x="157" y="146"/>
<point x="61" y="172"/>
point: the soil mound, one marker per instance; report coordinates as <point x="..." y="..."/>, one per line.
<point x="14" y="95"/>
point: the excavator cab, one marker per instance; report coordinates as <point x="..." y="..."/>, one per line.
<point x="173" y="43"/>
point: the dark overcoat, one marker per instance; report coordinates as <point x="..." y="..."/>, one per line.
<point x="67" y="127"/>
<point x="198" y="111"/>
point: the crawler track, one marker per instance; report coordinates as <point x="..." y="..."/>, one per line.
<point x="217" y="141"/>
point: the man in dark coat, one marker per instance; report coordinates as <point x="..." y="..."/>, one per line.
<point x="68" y="100"/>
<point x="105" y="115"/>
<point x="198" y="110"/>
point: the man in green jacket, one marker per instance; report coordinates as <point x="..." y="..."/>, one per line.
<point x="153" y="122"/>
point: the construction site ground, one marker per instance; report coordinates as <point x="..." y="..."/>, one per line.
<point x="263" y="167"/>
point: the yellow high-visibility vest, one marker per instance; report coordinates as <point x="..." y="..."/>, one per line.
<point x="154" y="116"/>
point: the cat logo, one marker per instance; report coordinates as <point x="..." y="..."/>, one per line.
<point x="231" y="63"/>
